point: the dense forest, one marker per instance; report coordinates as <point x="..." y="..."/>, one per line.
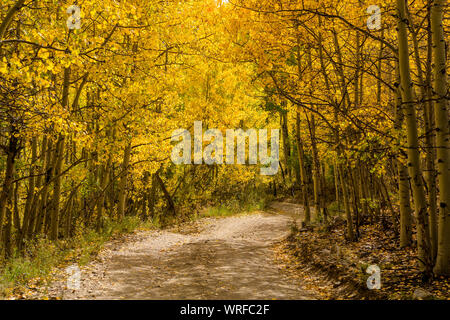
<point x="91" y="92"/>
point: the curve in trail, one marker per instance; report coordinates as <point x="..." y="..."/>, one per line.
<point x="229" y="258"/>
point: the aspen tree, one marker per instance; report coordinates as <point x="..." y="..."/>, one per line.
<point x="303" y="177"/>
<point x="402" y="171"/>
<point x="414" y="166"/>
<point x="442" y="137"/>
<point x="427" y="109"/>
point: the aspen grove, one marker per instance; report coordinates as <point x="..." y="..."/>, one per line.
<point x="358" y="90"/>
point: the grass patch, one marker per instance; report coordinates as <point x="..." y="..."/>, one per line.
<point x="234" y="207"/>
<point x="335" y="209"/>
<point x="219" y="211"/>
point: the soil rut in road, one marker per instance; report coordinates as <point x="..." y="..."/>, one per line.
<point x="227" y="258"/>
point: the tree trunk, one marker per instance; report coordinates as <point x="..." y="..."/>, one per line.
<point x="415" y="170"/>
<point x="166" y="194"/>
<point x="123" y="182"/>
<point x="9" y="17"/>
<point x="403" y="177"/>
<point x="316" y="166"/>
<point x="7" y="191"/>
<point x="286" y="144"/>
<point x="442" y="137"/>
<point x="405" y="207"/>
<point x="41" y="174"/>
<point x="427" y="107"/>
<point x="345" y="195"/>
<point x="27" y="215"/>
<point x="104" y="174"/>
<point x="42" y="210"/>
<point x="55" y="212"/>
<point x="303" y="177"/>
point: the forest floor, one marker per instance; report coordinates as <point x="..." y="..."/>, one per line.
<point x="336" y="269"/>
<point x="211" y="258"/>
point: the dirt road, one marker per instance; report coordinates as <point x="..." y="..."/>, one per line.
<point x="223" y="258"/>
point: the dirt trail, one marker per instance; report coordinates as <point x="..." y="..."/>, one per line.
<point x="224" y="258"/>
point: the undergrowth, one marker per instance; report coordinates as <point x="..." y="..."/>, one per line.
<point x="233" y="207"/>
<point x="42" y="255"/>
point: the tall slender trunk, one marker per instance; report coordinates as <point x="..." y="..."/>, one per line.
<point x="9" y="17"/>
<point x="104" y="174"/>
<point x="431" y="141"/>
<point x="403" y="176"/>
<point x="123" y="182"/>
<point x="41" y="174"/>
<point x="414" y="166"/>
<point x="286" y="144"/>
<point x="316" y="166"/>
<point x="323" y="199"/>
<point x="362" y="192"/>
<point x="55" y="212"/>
<point x="357" y="71"/>
<point x="442" y="137"/>
<point x="353" y="181"/>
<point x="380" y="70"/>
<point x="385" y="194"/>
<point x="345" y="195"/>
<point x="427" y="108"/>
<point x="42" y="210"/>
<point x="303" y="177"/>
<point x="27" y="215"/>
<point x="166" y="193"/>
<point x="7" y="191"/>
<point x="17" y="222"/>
<point x="405" y="206"/>
<point x="340" y="69"/>
<point x="336" y="185"/>
<point x="59" y="157"/>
